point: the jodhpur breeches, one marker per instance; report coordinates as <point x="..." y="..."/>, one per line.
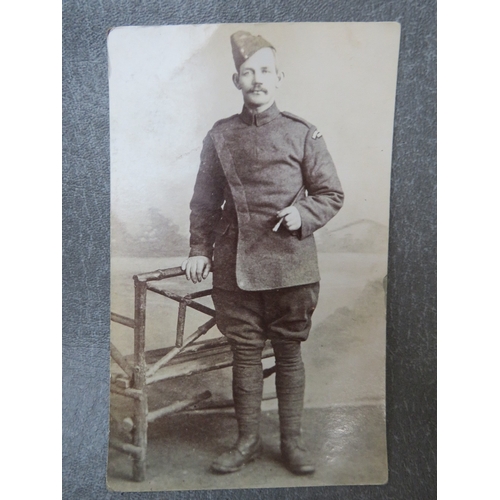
<point x="248" y="319"/>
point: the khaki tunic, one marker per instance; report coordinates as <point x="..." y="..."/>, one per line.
<point x="251" y="167"/>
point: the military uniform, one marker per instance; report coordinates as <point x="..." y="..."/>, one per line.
<point x="257" y="164"/>
<point x="266" y="282"/>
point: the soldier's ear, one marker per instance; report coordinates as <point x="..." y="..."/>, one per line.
<point x="236" y="80"/>
<point x="281" y="77"/>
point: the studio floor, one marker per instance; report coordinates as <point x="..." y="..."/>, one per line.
<point x="347" y="443"/>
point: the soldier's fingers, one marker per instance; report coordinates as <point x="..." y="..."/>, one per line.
<point x="291" y="219"/>
<point x="188" y="270"/>
<point x="194" y="276"/>
<point x="292" y="222"/>
<point x="206" y="270"/>
<point x="183" y="265"/>
<point x="192" y="271"/>
<point x="199" y="270"/>
<point x="284" y="212"/>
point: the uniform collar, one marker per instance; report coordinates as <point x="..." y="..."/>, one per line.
<point x="259" y="118"/>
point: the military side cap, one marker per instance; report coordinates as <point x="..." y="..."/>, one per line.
<point x="245" y="45"/>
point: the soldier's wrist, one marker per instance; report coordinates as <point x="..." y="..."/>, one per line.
<point x="200" y="252"/>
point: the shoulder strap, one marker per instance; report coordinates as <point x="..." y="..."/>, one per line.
<point x="297" y="119"/>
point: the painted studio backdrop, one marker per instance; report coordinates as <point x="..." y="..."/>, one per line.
<point x="168" y="85"/>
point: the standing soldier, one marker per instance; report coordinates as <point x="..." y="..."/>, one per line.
<point x="266" y="182"/>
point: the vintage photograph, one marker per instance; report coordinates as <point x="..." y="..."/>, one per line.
<point x="250" y="191"/>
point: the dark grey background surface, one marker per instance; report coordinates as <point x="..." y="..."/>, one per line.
<point x="411" y="315"/>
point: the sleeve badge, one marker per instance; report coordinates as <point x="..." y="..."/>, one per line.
<point x="317" y="134"/>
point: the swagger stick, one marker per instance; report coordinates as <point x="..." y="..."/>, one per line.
<point x="297" y="196"/>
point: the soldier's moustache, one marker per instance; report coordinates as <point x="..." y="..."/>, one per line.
<point x="258" y="89"/>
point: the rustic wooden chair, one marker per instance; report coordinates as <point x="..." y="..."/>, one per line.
<point x="187" y="357"/>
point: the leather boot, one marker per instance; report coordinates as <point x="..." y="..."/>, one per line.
<point x="247" y="395"/>
<point x="238" y="456"/>
<point x="290" y="385"/>
<point x="296" y="457"/>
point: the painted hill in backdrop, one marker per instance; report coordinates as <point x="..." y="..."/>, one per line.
<point x="361" y="236"/>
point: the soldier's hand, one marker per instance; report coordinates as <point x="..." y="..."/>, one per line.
<point x="196" y="268"/>
<point x="291" y="218"/>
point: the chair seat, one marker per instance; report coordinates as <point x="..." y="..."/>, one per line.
<point x="198" y="357"/>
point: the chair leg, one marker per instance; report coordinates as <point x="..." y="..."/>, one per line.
<point x="139" y="380"/>
<point x="140" y="437"/>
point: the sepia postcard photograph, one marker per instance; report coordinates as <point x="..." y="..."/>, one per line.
<point x="250" y="193"/>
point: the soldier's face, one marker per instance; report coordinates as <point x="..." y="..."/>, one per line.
<point x="258" y="79"/>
